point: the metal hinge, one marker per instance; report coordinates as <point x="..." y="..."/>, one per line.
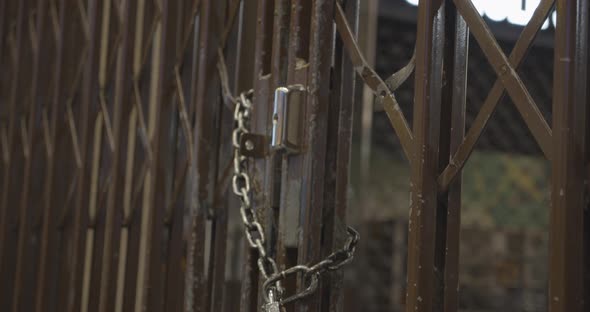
<point x="287" y="118"/>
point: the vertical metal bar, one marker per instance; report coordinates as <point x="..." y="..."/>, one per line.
<point x="291" y="171"/>
<point x="89" y="242"/>
<point x="183" y="158"/>
<point x="567" y="196"/>
<point x="245" y="82"/>
<point x="127" y="211"/>
<point x="318" y="101"/>
<point x="246" y="37"/>
<point x="586" y="236"/>
<point x="148" y="210"/>
<point x="222" y="200"/>
<point x="262" y="58"/>
<point x="452" y="130"/>
<point x="120" y="105"/>
<point x="4" y="140"/>
<point x="422" y="222"/>
<point x="129" y="220"/>
<point x="340" y="123"/>
<point x="162" y="145"/>
<point x="201" y="188"/>
<point x="12" y="176"/>
<point x="26" y="209"/>
<point x="194" y="230"/>
<point x="50" y="212"/>
<point x="457" y="132"/>
<point x="90" y="231"/>
<point x="279" y="35"/>
<point x="8" y="193"/>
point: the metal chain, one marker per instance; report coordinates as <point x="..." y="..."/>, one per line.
<point x="254" y="231"/>
<point x="241" y="187"/>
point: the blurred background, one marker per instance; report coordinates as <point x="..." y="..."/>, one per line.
<point x="505" y="196"/>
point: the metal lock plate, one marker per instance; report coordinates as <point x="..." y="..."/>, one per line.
<point x="287" y="118"/>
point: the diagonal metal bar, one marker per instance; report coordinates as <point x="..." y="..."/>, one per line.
<point x="143" y="132"/>
<point x="74" y="135"/>
<point x="107" y="120"/>
<point x="183" y="116"/>
<point x="398" y="78"/>
<point x="496" y="93"/>
<point x="507" y="75"/>
<point x="370" y="77"/>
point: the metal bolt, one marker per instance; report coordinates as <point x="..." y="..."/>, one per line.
<point x="249" y="145"/>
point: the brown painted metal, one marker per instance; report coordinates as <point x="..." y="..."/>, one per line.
<point x="339" y="133"/>
<point x="507" y="75"/>
<point x="452" y="130"/>
<point x="115" y="136"/>
<point x="250" y="280"/>
<point x="12" y="180"/>
<point x="151" y="269"/>
<point x="313" y="163"/>
<point x="50" y="213"/>
<point x="378" y="86"/>
<point x="427" y="97"/>
<point x="566" y="280"/>
<point x="38" y="42"/>
<point x="77" y="229"/>
<point x="251" y="297"/>
<point x="176" y="205"/>
<point x="201" y="190"/>
<point x="497" y="92"/>
<point x="115" y="112"/>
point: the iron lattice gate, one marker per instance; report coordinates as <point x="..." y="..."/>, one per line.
<point x="116" y="122"/>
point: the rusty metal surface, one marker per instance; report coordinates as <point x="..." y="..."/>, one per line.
<point x="116" y="122"/>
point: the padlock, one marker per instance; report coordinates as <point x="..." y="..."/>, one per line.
<point x="273" y="305"/>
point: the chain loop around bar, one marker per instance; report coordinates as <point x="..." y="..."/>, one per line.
<point x="255" y="233"/>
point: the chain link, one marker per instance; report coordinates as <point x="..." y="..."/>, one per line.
<point x="255" y="233"/>
<point x="241" y="187"/>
